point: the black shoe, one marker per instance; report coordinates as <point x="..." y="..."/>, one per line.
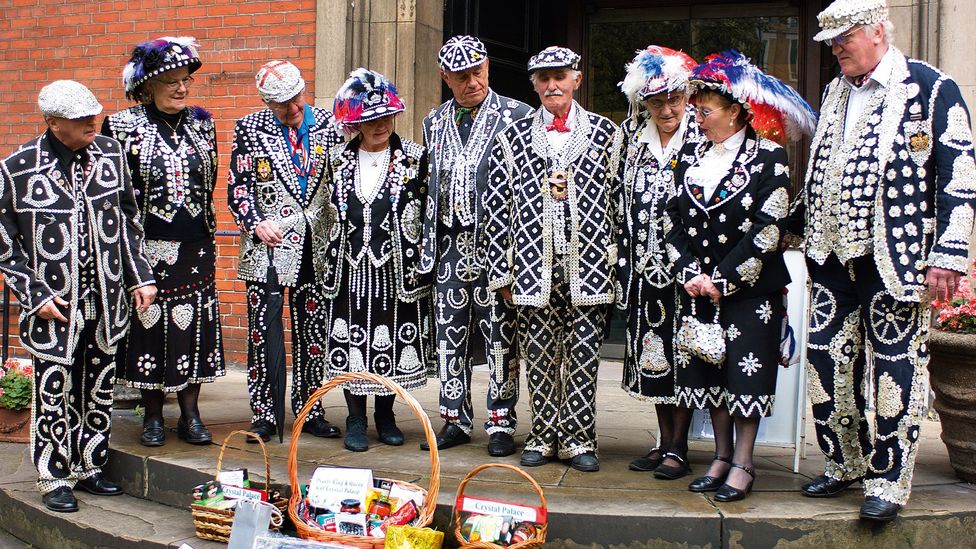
<point x="262" y="428"/>
<point x="193" y="431"/>
<point x="500" y="444"/>
<point x="99" y="485"/>
<point x="60" y="500"/>
<point x="709" y="483"/>
<point x="451" y="435"/>
<point x="826" y="487"/>
<point x="667" y="472"/>
<point x="320" y="427"/>
<point x="648" y="462"/>
<point x="728" y="493"/>
<point x="586" y="462"/>
<point x="879" y="510"/>
<point x="531" y="458"/>
<point x="153" y="433"/>
<point x="387" y="430"/>
<point x="356" y="440"/>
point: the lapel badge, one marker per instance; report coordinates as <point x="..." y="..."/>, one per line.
<point x="262" y="169"/>
<point x="919" y="142"/>
<point x="915" y="111"/>
<point x="558" y="183"/>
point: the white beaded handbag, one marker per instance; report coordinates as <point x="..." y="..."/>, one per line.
<point x="704" y="340"/>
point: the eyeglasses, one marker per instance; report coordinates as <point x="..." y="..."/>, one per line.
<point x="175" y="84"/>
<point x="705" y="113"/>
<point x="672" y="101"/>
<point x="842" y="39"/>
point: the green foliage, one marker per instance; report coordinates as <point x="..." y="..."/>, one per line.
<point x="16" y="385"/>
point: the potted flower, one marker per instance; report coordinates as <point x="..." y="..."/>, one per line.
<point x="952" y="365"/>
<point x="16" y="393"/>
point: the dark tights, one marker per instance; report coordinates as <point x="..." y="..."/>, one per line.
<point x="357" y="404"/>
<point x="740" y="451"/>
<point x="152" y="400"/>
<point x="673" y="423"/>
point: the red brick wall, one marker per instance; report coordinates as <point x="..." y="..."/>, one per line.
<point x="45" y="40"/>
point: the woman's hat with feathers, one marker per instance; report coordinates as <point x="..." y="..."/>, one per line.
<point x="777" y="111"/>
<point x="366" y="95"/>
<point x="655" y="70"/>
<point x="157" y="56"/>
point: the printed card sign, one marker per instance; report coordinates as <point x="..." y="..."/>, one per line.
<point x="235" y="492"/>
<point x="331" y="485"/>
<point x="521" y="513"/>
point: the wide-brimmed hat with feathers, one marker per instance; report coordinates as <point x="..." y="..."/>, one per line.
<point x="777" y="111"/>
<point x="157" y="56"/>
<point x="366" y="95"/>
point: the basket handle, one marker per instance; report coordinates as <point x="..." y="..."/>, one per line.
<point x="480" y="468"/>
<point x="430" y="502"/>
<point x="264" y="452"/>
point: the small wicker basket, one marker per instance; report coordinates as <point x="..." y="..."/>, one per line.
<point x="538" y="540"/>
<point x="425" y="514"/>
<point x="214" y="524"/>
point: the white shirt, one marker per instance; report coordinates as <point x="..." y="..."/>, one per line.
<point x="649" y="134"/>
<point x="715" y="164"/>
<point x="370" y="176"/>
<point x="558" y="140"/>
<point x="859" y="97"/>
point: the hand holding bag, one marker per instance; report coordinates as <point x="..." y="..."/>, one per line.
<point x="704" y="340"/>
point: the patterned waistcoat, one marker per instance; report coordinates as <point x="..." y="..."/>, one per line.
<point x="518" y="234"/>
<point x="916" y="154"/>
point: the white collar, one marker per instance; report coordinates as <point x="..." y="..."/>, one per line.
<point x="548" y="117"/>
<point x="733" y="143"/>
<point x="882" y="72"/>
<point x="649" y="133"/>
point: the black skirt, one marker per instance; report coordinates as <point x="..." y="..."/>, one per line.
<point x="177" y="342"/>
<point x="649" y="354"/>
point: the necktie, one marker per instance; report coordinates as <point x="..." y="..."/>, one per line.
<point x="460" y="112"/>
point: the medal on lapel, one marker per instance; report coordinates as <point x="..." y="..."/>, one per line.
<point x="919" y="142"/>
<point x="558" y="183"/>
<point x="263" y="169"/>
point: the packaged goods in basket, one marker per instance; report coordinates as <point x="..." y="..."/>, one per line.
<point x="501" y="523"/>
<point x="411" y="537"/>
<point x="351" y="502"/>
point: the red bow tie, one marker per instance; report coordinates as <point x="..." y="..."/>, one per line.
<point x="558" y="124"/>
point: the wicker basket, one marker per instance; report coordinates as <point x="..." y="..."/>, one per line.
<point x="540" y="535"/>
<point x="425" y="514"/>
<point x="214" y="524"/>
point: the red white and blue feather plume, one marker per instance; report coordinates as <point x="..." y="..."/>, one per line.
<point x="655" y="70"/>
<point x="777" y="110"/>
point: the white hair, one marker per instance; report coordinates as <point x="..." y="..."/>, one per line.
<point x="574" y="74"/>
<point x="887" y="26"/>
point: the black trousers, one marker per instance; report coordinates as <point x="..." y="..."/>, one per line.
<point x="850" y="313"/>
<point x="72" y="409"/>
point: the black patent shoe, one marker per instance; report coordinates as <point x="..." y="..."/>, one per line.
<point x="500" y="444"/>
<point x="387" y="430"/>
<point x="648" y="462"/>
<point x="826" y="487"/>
<point x="356" y="440"/>
<point x="451" y="435"/>
<point x="320" y="427"/>
<point x="709" y="483"/>
<point x="586" y="462"/>
<point x="667" y="472"/>
<point x="262" y="428"/>
<point x="728" y="493"/>
<point x="99" y="485"/>
<point x="153" y="433"/>
<point x="532" y="458"/>
<point x="193" y="430"/>
<point x="878" y="510"/>
<point x="60" y="500"/>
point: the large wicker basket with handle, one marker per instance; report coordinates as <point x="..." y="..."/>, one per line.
<point x="537" y="540"/>
<point x="215" y="524"/>
<point x="425" y="514"/>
